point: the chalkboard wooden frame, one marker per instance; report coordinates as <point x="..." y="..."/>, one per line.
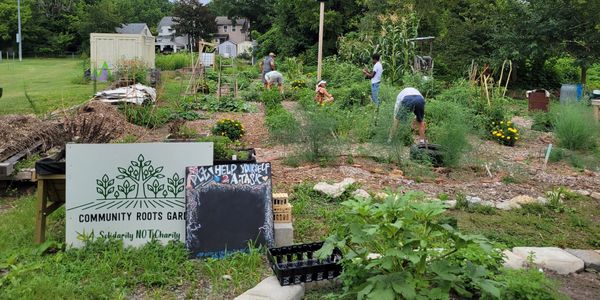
<point x="228" y="207"/>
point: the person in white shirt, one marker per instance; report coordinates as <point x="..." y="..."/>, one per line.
<point x="274" y="77"/>
<point x="375" y="77"/>
<point x="409" y="100"/>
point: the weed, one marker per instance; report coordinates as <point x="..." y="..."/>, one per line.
<point x="132" y="69"/>
<point x="461" y="201"/>
<point x="527" y="284"/>
<point x="146" y="115"/>
<point x="575" y="127"/>
<point x="27" y="163"/>
<point x="173" y="61"/>
<point x="127" y="139"/>
<point x="443" y="197"/>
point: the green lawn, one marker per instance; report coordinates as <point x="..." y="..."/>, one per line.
<point x="48" y="82"/>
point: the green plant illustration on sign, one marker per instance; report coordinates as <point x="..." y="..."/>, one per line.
<point x="175" y="184"/>
<point x="140" y="172"/>
<point x="140" y="180"/>
<point x="105" y="186"/>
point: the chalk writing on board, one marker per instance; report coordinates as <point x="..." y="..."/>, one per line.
<point x="228" y="206"/>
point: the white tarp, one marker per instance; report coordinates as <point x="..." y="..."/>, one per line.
<point x="137" y="94"/>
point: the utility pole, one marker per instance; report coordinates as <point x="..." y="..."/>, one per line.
<point x="320" y="54"/>
<point x="19" y="38"/>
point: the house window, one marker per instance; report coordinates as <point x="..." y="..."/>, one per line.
<point x="224" y="28"/>
<point x="233" y="28"/>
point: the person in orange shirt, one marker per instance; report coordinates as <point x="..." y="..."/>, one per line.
<point x="322" y="95"/>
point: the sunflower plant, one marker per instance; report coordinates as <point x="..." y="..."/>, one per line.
<point x="505" y="132"/>
<point x="233" y="129"/>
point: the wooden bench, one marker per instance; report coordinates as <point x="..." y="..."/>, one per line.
<point x="50" y="197"/>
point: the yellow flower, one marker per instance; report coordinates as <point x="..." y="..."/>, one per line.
<point x="516" y="138"/>
<point x="501" y="122"/>
<point x="508" y="137"/>
<point x="508" y="123"/>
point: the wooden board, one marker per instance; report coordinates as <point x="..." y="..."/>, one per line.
<point x="228" y="207"/>
<point x="7" y="166"/>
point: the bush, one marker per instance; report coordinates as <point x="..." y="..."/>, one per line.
<point x="542" y="122"/>
<point x="447" y="128"/>
<point x="341" y="74"/>
<point x="574" y="126"/>
<point x="355" y="94"/>
<point x="233" y="129"/>
<point x="422" y="254"/>
<point x="132" y="69"/>
<point x="527" y="284"/>
<point x="505" y="132"/>
<point x="173" y="61"/>
<point x="146" y="115"/>
<point x="428" y="86"/>
<point x="222" y="146"/>
<point x="271" y="98"/>
<point x="318" y="135"/>
<point x="283" y="127"/>
<point x="224" y="104"/>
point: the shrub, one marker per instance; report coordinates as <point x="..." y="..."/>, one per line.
<point x="574" y="126"/>
<point x="355" y="94"/>
<point x="447" y="128"/>
<point x="146" y="115"/>
<point x="233" y="129"/>
<point x="428" y="86"/>
<point x="173" y="61"/>
<point x="341" y="73"/>
<point x="271" y="98"/>
<point x="133" y="69"/>
<point x="224" y="104"/>
<point x="527" y="284"/>
<point x="422" y="254"/>
<point x="505" y="132"/>
<point x="186" y="115"/>
<point x="283" y="127"/>
<point x="222" y="146"/>
<point x="542" y="122"/>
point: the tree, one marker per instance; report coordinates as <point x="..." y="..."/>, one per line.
<point x="259" y="12"/>
<point x="145" y="11"/>
<point x="194" y="19"/>
<point x="100" y="16"/>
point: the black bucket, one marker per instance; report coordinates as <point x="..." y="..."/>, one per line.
<point x="1" y="89"/>
<point x="432" y="153"/>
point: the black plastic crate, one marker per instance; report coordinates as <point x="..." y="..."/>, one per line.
<point x="296" y="264"/>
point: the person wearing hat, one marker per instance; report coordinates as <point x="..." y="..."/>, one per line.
<point x="322" y="95"/>
<point x="267" y="65"/>
<point x="274" y="77"/>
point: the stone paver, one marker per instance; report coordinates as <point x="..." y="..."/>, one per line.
<point x="552" y="258"/>
<point x="513" y="261"/>
<point x="284" y="234"/>
<point x="590" y="258"/>
<point x="360" y="193"/>
<point x="269" y="289"/>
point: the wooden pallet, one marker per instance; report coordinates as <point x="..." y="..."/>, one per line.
<point x="8" y="166"/>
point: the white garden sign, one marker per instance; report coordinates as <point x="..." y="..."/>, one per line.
<point x="133" y="192"/>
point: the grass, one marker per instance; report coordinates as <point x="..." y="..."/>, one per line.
<point x="106" y="270"/>
<point x="48" y="82"/>
<point x="537" y="225"/>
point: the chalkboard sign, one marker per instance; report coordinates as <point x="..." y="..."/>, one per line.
<point x="228" y="206"/>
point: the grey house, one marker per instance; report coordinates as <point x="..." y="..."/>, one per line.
<point x="167" y="40"/>
<point x="134" y="28"/>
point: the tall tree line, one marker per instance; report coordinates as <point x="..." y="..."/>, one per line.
<point x="55" y="26"/>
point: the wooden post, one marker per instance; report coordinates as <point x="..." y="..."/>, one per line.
<point x="320" y="54"/>
<point x="40" y="219"/>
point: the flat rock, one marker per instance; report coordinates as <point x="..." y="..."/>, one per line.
<point x="596" y="195"/>
<point x="270" y="289"/>
<point x="583" y="192"/>
<point x="590" y="258"/>
<point x="360" y="193"/>
<point x="513" y="261"/>
<point x="522" y="199"/>
<point x="552" y="258"/>
<point x="450" y="203"/>
<point x="334" y="190"/>
<point x="473" y="200"/>
<point x="542" y="200"/>
<point x="507" y="205"/>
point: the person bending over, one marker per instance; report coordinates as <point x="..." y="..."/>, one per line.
<point x="409" y="100"/>
<point x="274" y="77"/>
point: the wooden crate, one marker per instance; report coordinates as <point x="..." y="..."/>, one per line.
<point x="280" y="199"/>
<point x="282" y="213"/>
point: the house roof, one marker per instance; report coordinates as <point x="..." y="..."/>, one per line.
<point x="222" y="20"/>
<point x="166" y="21"/>
<point x="131" y="28"/>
